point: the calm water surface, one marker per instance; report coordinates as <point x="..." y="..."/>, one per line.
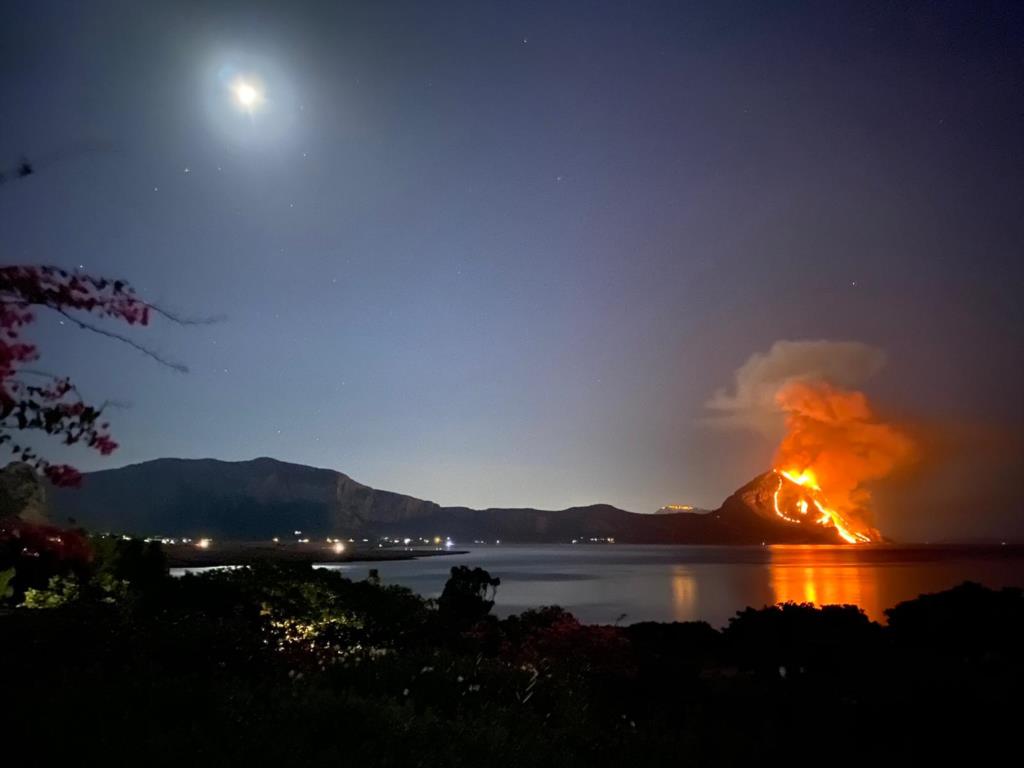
<point x="601" y="583"/>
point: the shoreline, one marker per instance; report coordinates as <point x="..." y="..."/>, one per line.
<point x="245" y="553"/>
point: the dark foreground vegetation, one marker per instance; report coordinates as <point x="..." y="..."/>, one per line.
<point x="104" y="659"/>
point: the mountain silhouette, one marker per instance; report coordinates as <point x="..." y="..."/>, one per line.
<point x="262" y="498"/>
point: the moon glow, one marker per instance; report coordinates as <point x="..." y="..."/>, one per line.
<point x="247" y="95"/>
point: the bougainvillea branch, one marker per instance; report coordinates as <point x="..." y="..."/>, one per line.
<point x="33" y="400"/>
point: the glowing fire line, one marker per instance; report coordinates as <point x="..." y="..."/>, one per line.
<point x="829" y="517"/>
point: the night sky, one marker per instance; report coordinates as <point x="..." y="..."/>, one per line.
<point x="504" y="253"/>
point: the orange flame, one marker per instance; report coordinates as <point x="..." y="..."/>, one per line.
<point x="828" y="517"/>
<point x="833" y="445"/>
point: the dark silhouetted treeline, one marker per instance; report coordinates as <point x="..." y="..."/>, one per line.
<point x="118" y="663"/>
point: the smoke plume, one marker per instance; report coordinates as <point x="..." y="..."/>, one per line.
<point x="834" y="433"/>
<point x="829" y="429"/>
<point x="752" y="402"/>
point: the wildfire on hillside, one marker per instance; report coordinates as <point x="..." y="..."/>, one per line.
<point x="834" y="445"/>
<point x="799" y="499"/>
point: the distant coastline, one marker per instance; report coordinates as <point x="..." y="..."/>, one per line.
<point x="245" y="552"/>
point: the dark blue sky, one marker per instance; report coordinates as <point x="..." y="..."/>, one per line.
<point x="497" y="253"/>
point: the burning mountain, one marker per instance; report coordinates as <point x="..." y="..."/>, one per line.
<point x="833" y="447"/>
<point x="775" y="509"/>
<point x="798" y="499"/>
<point x="781" y="508"/>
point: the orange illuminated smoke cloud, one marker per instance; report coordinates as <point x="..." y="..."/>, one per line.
<point x="834" y="446"/>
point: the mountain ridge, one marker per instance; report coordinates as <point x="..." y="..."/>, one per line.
<point x="265" y="497"/>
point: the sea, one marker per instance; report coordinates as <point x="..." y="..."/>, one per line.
<point x="616" y="583"/>
<point x="623" y="584"/>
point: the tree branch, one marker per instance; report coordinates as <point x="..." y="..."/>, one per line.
<point x="174" y="318"/>
<point x="180" y="367"/>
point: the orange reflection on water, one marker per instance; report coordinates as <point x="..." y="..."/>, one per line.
<point x="824" y="576"/>
<point x="684" y="593"/>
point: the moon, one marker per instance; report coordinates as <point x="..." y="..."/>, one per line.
<point x="248" y="94"/>
<point x="249" y="100"/>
